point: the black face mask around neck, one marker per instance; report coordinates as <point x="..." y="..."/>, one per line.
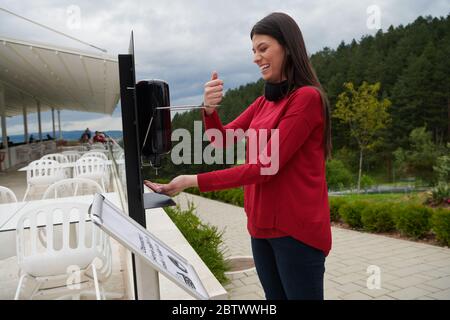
<point x="275" y="91"/>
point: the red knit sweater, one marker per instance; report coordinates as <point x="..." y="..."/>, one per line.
<point x="294" y="201"/>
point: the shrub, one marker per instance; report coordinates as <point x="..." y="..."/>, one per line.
<point x="338" y="176"/>
<point x="378" y="217"/>
<point x="413" y="220"/>
<point x="335" y="204"/>
<point x="204" y="238"/>
<point x="440" y="222"/>
<point x="237" y="197"/>
<point x="366" y="181"/>
<point x="440" y="194"/>
<point x="442" y="168"/>
<point x="351" y="213"/>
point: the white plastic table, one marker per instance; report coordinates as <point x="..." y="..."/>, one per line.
<point x="11" y="223"/>
<point x="10" y="217"/>
<point x="8" y="239"/>
<point x="7" y="210"/>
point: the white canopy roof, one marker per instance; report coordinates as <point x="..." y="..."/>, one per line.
<point x="59" y="78"/>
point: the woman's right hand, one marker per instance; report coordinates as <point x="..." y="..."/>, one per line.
<point x="213" y="93"/>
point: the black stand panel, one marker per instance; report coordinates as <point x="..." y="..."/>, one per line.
<point x="131" y="144"/>
<point x="131" y="140"/>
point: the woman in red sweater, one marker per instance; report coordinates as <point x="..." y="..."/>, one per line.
<point x="286" y="205"/>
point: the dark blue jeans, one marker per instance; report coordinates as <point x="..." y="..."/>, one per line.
<point x="289" y="269"/>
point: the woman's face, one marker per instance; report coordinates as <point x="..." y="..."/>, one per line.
<point x="268" y="54"/>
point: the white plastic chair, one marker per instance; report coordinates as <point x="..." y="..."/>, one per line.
<point x="102" y="156"/>
<point x="60" y="158"/>
<point x="7" y="195"/>
<point x="98" y="146"/>
<point x="72" y="156"/>
<point x="68" y="188"/>
<point x="71" y="188"/>
<point x="71" y="148"/>
<point x="43" y="173"/>
<point x="84" y="147"/>
<point x="51" y="270"/>
<point x="95" y="154"/>
<point x="57" y="157"/>
<point x="91" y="168"/>
<point x="118" y="154"/>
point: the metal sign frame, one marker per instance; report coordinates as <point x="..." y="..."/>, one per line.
<point x="98" y="216"/>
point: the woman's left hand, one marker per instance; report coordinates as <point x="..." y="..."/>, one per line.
<point x="175" y="186"/>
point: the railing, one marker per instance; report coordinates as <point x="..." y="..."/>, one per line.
<point x="380" y="189"/>
<point x="25" y="153"/>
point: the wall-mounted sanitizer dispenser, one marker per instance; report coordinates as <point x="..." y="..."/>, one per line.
<point x="154" y="122"/>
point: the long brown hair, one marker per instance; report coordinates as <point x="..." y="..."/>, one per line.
<point x="296" y="64"/>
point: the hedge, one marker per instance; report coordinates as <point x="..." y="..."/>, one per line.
<point x="410" y="220"/>
<point x="413" y="220"/>
<point x="335" y="203"/>
<point x="350" y="213"/>
<point x="440" y="224"/>
<point x="379" y="217"/>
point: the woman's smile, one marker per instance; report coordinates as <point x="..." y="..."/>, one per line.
<point x="269" y="56"/>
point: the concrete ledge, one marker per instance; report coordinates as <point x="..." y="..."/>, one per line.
<point x="159" y="223"/>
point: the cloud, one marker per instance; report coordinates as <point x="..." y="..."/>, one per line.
<point x="183" y="41"/>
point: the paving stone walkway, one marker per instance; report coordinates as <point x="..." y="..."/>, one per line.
<point x="407" y="270"/>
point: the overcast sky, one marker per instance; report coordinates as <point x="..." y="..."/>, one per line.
<point x="183" y="41"/>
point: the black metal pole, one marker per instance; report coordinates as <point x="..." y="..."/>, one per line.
<point x="131" y="145"/>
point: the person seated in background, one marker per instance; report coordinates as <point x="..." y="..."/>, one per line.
<point x="49" y="137"/>
<point x="106" y="137"/>
<point x="88" y="132"/>
<point x="84" y="138"/>
<point x="10" y="143"/>
<point x="31" y="140"/>
<point x="99" y="137"/>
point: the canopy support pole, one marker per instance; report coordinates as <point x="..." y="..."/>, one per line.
<point x="39" y="119"/>
<point x="25" y="121"/>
